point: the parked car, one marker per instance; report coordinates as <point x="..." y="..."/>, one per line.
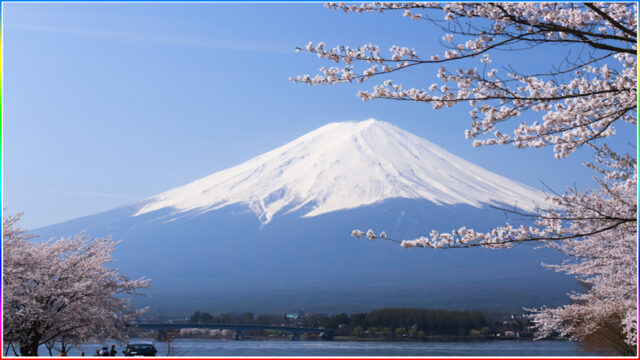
<point x="140" y="349"/>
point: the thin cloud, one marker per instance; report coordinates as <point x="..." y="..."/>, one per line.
<point x="165" y="39"/>
<point x="92" y="193"/>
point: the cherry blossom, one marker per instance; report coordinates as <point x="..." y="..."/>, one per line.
<point x="62" y="290"/>
<point x="579" y="101"/>
<point x="596" y="230"/>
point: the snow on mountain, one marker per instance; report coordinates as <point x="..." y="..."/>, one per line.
<point x="346" y="165"/>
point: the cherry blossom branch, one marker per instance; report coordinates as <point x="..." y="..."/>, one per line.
<point x="580" y="100"/>
<point x="580" y="103"/>
<point x="608" y="18"/>
<point x="596" y="230"/>
<point x="508" y="237"/>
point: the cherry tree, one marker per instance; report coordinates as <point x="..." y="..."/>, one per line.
<point x="579" y="99"/>
<point x="597" y="231"/>
<point x="62" y="290"/>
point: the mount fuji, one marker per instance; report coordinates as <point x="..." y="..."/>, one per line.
<point x="272" y="234"/>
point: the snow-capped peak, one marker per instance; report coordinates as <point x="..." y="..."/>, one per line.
<point x="345" y="165"/>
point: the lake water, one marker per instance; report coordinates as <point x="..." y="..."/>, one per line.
<point x="215" y="347"/>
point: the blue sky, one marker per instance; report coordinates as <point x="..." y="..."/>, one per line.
<point x="106" y="104"/>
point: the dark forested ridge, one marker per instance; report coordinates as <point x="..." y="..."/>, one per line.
<point x="402" y="321"/>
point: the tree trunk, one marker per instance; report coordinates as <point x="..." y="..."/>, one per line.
<point x="30" y="348"/>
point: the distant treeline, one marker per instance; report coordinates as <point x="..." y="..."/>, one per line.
<point x="406" y="321"/>
<point x="413" y="323"/>
<point x="247" y="318"/>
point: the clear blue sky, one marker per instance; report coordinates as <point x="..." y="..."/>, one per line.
<point x="106" y="104"/>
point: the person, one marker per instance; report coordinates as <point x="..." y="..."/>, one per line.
<point x="104" y="351"/>
<point x="82" y="353"/>
<point x="98" y="352"/>
<point x="113" y="351"/>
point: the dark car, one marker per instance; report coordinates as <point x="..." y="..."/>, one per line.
<point x="140" y="349"/>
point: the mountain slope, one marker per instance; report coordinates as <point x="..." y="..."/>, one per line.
<point x="343" y="166"/>
<point x="272" y="234"/>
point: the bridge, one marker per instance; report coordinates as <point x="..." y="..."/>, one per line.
<point x="238" y="329"/>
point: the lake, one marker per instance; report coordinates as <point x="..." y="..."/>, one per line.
<point x="217" y="347"/>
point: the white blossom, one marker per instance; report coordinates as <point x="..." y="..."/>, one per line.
<point x="371" y="235"/>
<point x="357" y="233"/>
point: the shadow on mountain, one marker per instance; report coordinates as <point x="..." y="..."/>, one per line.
<point x="226" y="260"/>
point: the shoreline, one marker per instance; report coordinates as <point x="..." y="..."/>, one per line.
<point x="442" y="339"/>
